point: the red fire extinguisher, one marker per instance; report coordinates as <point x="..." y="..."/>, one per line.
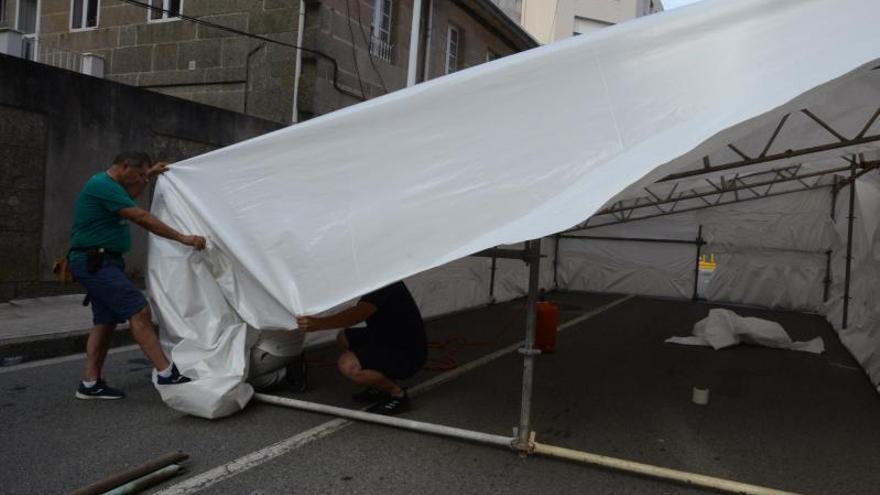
<point x="547" y="323"/>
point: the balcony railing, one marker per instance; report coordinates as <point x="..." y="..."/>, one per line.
<point x="57" y="56"/>
<point x="381" y="49"/>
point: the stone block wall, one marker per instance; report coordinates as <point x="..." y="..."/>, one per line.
<point x="189" y="60"/>
<point x="22" y="175"/>
<point x="57" y="128"/>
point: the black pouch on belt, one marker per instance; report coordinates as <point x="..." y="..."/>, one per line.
<point x="94" y="259"/>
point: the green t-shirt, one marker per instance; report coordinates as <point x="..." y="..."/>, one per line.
<point x="95" y="219"/>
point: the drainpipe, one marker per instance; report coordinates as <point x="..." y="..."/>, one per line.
<point x="414" y="35"/>
<point x="426" y="74"/>
<point x="247" y="75"/>
<point x="297" y="70"/>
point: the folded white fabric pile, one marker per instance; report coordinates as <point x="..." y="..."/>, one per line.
<point x="724" y="328"/>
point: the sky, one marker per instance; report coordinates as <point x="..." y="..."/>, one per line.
<point x="671" y="4"/>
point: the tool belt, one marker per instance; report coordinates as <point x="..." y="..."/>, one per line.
<point x="94" y="262"/>
<point x="95" y="257"/>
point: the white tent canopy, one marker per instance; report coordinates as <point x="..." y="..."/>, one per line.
<point x="693" y="117"/>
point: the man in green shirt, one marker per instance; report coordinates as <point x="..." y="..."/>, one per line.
<point x="100" y="237"/>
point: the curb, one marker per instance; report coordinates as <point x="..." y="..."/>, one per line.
<point x="20" y="350"/>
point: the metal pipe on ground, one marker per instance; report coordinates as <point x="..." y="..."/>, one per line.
<point x="118" y="479"/>
<point x="682" y="477"/>
<point x="408" y="424"/>
<point x="148" y="481"/>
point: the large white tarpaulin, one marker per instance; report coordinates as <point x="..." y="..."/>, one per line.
<point x="308" y="217"/>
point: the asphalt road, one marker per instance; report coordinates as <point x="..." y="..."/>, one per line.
<point x="783" y="419"/>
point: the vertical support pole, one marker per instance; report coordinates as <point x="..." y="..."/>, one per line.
<point x="834" y="190"/>
<point x="849" y="236"/>
<point x="697" y="264"/>
<point x="557" y="238"/>
<point x="827" y="280"/>
<point x="414" y="35"/>
<point x="426" y="70"/>
<point x="528" y="350"/>
<point x="492" y="280"/>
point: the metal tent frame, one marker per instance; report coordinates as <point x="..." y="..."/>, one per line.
<point x="719" y="187"/>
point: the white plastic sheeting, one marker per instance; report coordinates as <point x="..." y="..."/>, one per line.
<point x="723" y="328"/>
<point x="769" y="253"/>
<point x="308" y="217"/>
<point x="627" y="267"/>
<point x="862" y="335"/>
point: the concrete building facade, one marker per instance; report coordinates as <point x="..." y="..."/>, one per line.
<point x="240" y="55"/>
<point x="552" y="20"/>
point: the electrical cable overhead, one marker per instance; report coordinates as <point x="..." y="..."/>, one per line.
<point x="360" y="97"/>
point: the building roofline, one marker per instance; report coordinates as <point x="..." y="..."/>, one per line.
<point x="496" y="20"/>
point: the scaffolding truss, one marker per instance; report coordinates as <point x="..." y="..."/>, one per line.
<point x="722" y="186"/>
<point x="841" y="143"/>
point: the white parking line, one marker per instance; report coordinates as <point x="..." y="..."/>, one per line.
<point x="256" y="458"/>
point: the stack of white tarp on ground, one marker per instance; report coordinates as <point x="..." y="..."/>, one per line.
<point x="314" y="215"/>
<point x="723" y="328"/>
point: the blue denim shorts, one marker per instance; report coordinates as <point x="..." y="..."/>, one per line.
<point x="113" y="297"/>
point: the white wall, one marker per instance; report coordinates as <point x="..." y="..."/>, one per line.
<point x="770" y="253"/>
<point x="551" y="20"/>
<point x="862" y="334"/>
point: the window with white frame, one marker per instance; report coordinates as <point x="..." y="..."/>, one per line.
<point x="164" y="10"/>
<point x="26" y="22"/>
<point x="83" y="14"/>
<point x="453" y="45"/>
<point x="380" y="40"/>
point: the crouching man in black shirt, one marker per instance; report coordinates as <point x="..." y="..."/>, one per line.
<point x="393" y="346"/>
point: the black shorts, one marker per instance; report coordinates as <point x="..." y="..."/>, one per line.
<point x="394" y="362"/>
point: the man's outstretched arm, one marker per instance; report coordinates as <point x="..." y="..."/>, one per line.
<point x="344" y="319"/>
<point x="148" y="221"/>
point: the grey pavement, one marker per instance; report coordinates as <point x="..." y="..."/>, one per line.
<point x="783" y="419"/>
<point x="42" y="318"/>
<point x="46" y="327"/>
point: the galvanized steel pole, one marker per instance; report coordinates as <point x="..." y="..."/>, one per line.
<point x="849" y="237"/>
<point x="528" y="350"/>
<point x="408" y="424"/>
<point x="683" y="477"/>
